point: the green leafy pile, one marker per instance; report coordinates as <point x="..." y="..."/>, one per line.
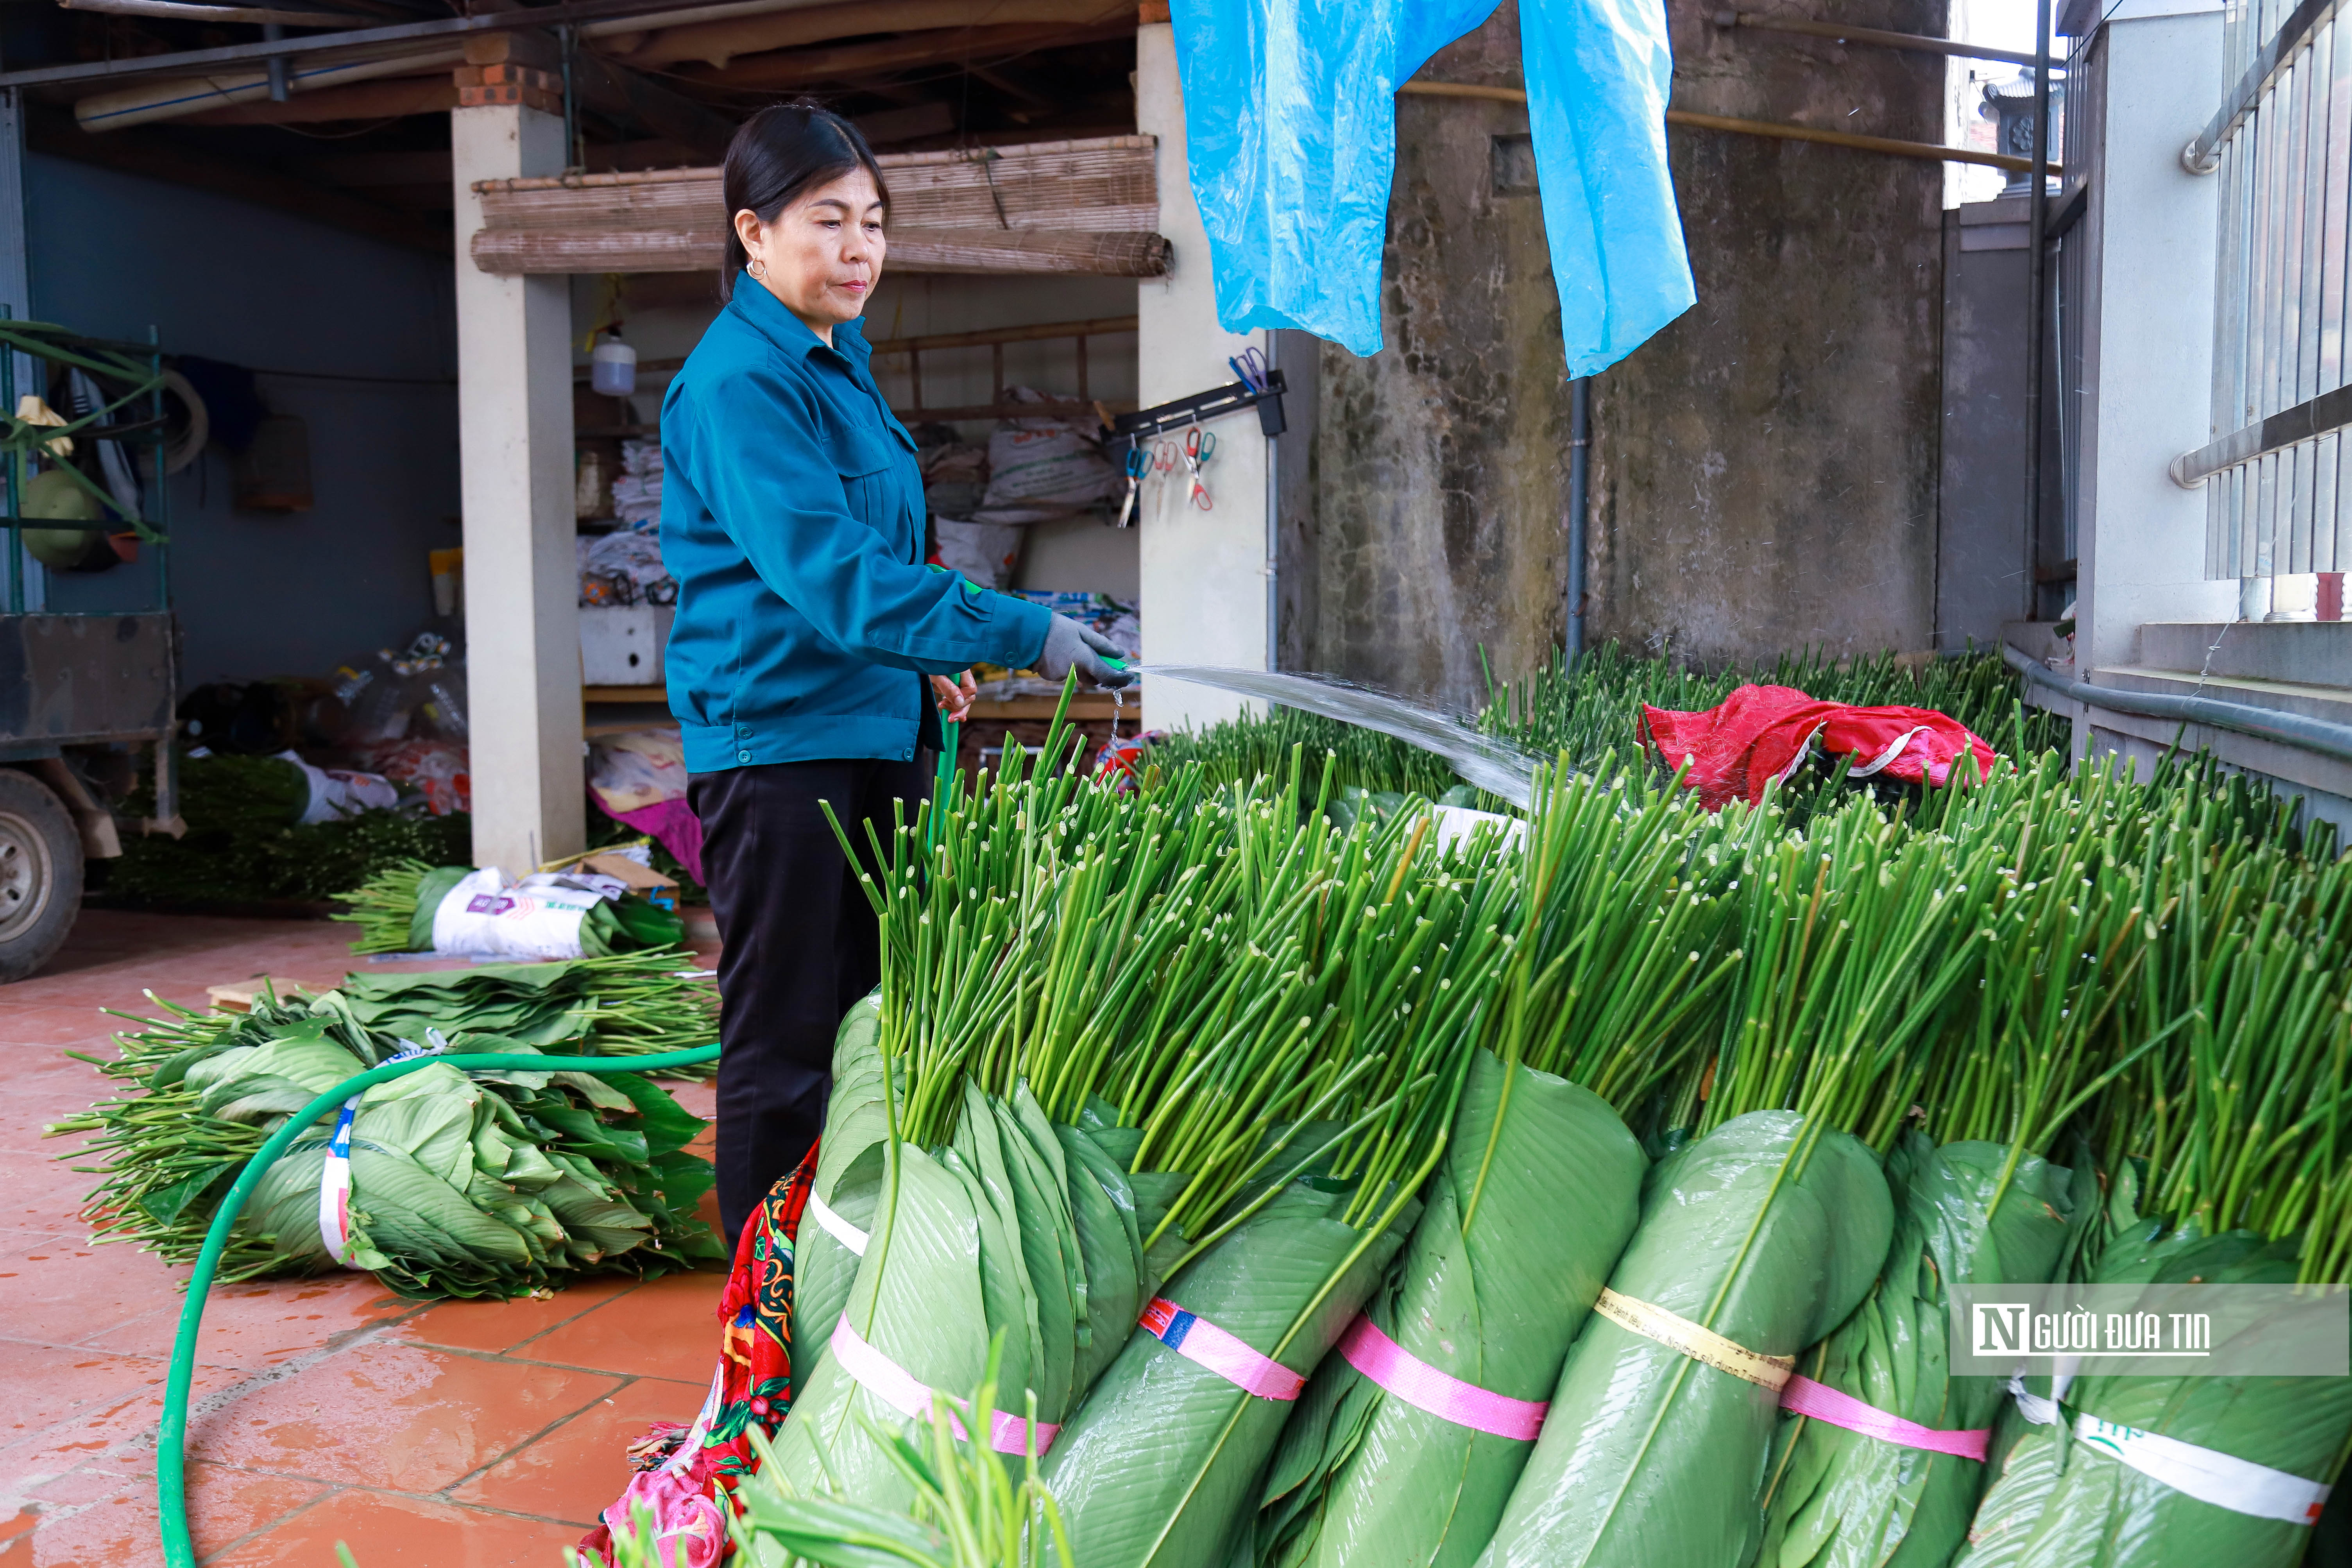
<point x="468" y="1186"/>
<point x="243" y="844"/>
<point x="1588" y="714"/>
<point x="2225" y="1162"/>
<point x="1853" y="1032"/>
<point x="394" y="909"/>
<point x="1156" y="1052"/>
<point x="964" y="1511"/>
<point x="633" y="1004"/>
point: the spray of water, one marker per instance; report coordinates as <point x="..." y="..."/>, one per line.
<point x="1494" y="765"/>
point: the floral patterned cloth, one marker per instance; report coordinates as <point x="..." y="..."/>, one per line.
<point x="684" y="1473"/>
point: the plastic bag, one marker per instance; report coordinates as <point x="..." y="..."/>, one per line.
<point x="1648" y="1456"/>
<point x="986" y="552"/>
<point x="1043" y="468"/>
<point x="338" y="792"/>
<point x="1365" y="1480"/>
<point x="1290" y="127"/>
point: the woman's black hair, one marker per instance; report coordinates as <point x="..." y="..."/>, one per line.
<point x="778" y="155"/>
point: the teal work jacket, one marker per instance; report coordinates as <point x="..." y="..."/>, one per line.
<point x="793" y="520"/>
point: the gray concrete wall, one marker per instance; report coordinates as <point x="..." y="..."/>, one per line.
<point x="1440" y="465"/>
<point x="1765" y="472"/>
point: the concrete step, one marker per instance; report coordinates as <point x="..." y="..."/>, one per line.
<point x="2300" y="653"/>
<point x="2331" y="703"/>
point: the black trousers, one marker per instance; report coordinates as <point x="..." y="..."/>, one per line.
<point x="800" y="946"/>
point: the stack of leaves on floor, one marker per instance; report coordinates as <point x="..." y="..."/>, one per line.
<point x="635" y="1003"/>
<point x="394" y="909"/>
<point x="1367" y="1115"/>
<point x="461" y="1185"/>
<point x="246" y="843"/>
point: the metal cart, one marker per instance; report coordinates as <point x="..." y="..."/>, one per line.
<point x="78" y="692"/>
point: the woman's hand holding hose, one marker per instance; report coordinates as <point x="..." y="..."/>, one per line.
<point x="1070" y="644"/>
<point x="955" y="696"/>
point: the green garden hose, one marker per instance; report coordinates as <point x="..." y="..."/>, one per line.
<point x="171" y="1461"/>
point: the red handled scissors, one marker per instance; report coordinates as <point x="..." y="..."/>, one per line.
<point x="1200" y="446"/>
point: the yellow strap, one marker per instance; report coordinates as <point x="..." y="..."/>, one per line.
<point x="1700" y="1344"/>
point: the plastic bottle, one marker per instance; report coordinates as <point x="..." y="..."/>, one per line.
<point x="612" y="368"/>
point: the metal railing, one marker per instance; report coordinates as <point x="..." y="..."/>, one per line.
<point x="2281" y="145"/>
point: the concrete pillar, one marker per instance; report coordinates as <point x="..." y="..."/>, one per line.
<point x="514" y="412"/>
<point x="2147" y="345"/>
<point x="1206" y="589"/>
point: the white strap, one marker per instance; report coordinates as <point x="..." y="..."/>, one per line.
<point x="2206" y="1474"/>
<point x="335" y="1176"/>
<point x="833" y="1226"/>
<point x="335" y="1187"/>
<point x="1895" y="749"/>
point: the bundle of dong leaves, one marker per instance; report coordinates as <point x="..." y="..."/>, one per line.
<point x="245" y="841"/>
<point x="462" y="1185"/>
<point x="1588" y="714"/>
<point x="1635" y="1115"/>
<point x="394" y="908"/>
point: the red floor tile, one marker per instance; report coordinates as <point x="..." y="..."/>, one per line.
<point x="386" y="1531"/>
<point x="265" y="1323"/>
<point x="99" y="1520"/>
<point x="65" y="1294"/>
<point x="493" y="1326"/>
<point x="116" y="1430"/>
<point x="40" y="1192"/>
<point x="394" y="1416"/>
<point x="574" y="1471"/>
<point x="664" y="1329"/>
<point x="57" y="1027"/>
<point x="47" y="1383"/>
<point x="14" y="1242"/>
<point x="699" y="1096"/>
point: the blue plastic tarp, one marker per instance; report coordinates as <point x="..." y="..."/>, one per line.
<point x="1290" y="123"/>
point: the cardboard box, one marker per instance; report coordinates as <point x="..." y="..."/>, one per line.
<point x="620" y="645"/>
<point x="658" y="888"/>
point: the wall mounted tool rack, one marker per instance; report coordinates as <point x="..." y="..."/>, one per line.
<point x="1129" y="430"/>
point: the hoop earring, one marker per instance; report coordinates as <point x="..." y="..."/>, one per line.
<point x="756" y="267"/>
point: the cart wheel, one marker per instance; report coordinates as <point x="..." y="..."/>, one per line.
<point x="40" y="874"/>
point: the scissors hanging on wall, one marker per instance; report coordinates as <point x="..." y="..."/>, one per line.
<point x="1200" y="446"/>
<point x="1139" y="463"/>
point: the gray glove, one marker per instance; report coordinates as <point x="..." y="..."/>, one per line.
<point x="1070" y="646"/>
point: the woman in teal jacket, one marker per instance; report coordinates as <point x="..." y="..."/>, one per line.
<point x="807" y="623"/>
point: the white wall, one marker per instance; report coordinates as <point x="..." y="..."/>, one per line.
<point x="2148" y="354"/>
<point x="1204" y="574"/>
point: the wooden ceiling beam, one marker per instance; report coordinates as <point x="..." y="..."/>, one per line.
<point x="630" y="99"/>
<point x="717" y="43"/>
<point x="389" y="99"/>
<point x="786" y="69"/>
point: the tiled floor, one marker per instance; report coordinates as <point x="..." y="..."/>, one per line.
<point x="454" y="1436"/>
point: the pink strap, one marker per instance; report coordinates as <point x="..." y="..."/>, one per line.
<point x="1822" y="1403"/>
<point x="895" y="1386"/>
<point x="1422" y="1385"/>
<point x="1196" y="1339"/>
